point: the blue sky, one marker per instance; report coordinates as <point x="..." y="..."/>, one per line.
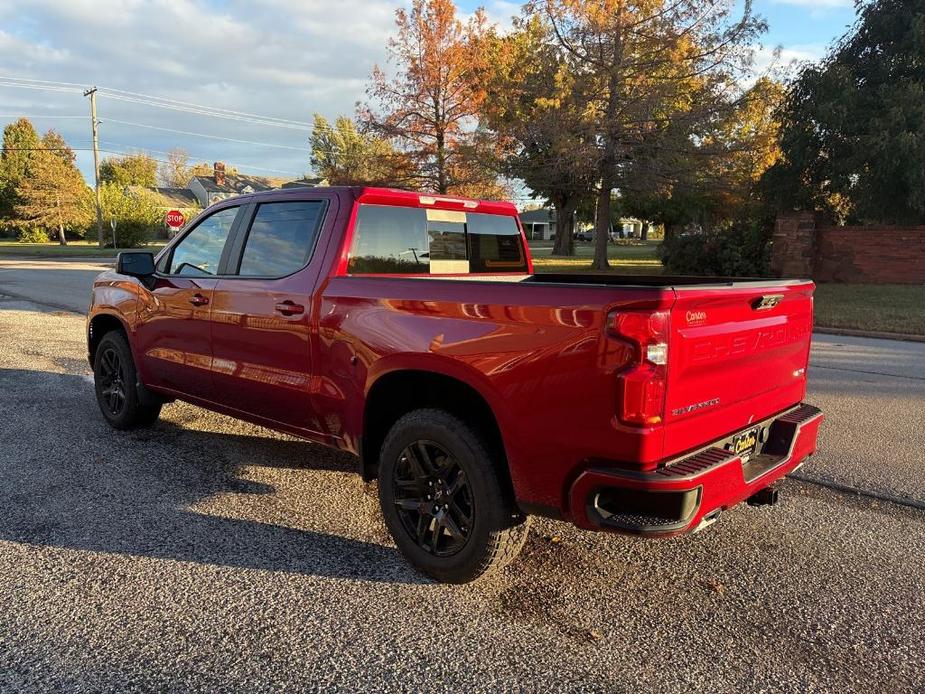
<point x="280" y="58"/>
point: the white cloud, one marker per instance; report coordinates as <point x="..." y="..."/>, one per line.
<point x="282" y="58"/>
<point x="782" y="61"/>
<point x="501" y="12"/>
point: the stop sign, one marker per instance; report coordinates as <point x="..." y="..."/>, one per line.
<point x="175" y="219"/>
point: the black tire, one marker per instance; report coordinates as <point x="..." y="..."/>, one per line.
<point x="442" y="500"/>
<point x="115" y="379"/>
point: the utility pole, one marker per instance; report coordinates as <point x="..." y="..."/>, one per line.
<point x="96" y="162"/>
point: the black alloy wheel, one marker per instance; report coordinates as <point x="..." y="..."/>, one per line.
<point x="112" y="381"/>
<point x="116" y="384"/>
<point x="433" y="498"/>
<point x="443" y="499"/>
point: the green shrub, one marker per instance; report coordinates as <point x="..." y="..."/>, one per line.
<point x="742" y="251"/>
<point x="33" y="235"/>
<point x="131" y="233"/>
<point x="135" y="212"/>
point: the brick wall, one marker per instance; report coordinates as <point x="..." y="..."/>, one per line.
<point x="872" y="254"/>
<point x="794" y="245"/>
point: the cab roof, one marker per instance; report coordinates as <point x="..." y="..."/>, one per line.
<point x="402" y="198"/>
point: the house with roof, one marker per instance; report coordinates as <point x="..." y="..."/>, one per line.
<point x="202" y="191"/>
<point x="221" y="186"/>
<point x="540" y="225"/>
<point x="305" y="182"/>
<point x="170" y="198"/>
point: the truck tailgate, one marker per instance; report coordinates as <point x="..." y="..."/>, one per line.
<point x="737" y="354"/>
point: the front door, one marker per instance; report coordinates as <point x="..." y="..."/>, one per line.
<point x="174" y="317"/>
<point x="261" y="317"/>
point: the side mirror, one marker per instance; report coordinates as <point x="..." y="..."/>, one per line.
<point x="135" y="263"/>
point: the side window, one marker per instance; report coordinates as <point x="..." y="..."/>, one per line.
<point x="281" y="238"/>
<point x="389" y="240"/>
<point x="199" y="252"/>
<point x="495" y="244"/>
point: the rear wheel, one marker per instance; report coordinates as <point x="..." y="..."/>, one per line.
<point x="442" y="500"/>
<point x="115" y="377"/>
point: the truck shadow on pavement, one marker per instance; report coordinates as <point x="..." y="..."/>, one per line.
<point x="67" y="480"/>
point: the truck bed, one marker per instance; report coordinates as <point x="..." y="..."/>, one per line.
<point x="538" y="350"/>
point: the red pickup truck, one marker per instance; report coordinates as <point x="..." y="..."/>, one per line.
<point x="410" y="330"/>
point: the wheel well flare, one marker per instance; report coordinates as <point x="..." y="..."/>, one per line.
<point x="399" y="392"/>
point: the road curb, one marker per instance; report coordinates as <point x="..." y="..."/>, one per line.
<point x="91" y="259"/>
<point x="7" y="294"/>
<point x="848" y="332"/>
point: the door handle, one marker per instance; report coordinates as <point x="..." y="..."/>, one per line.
<point x="290" y="308"/>
<point x="198" y="300"/>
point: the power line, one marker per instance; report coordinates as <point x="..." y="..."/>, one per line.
<point x="50" y="82"/>
<point x="159" y="102"/>
<point x="211" y="137"/>
<point x="289" y="121"/>
<point x="26" y="115"/>
<point x="44" y="149"/>
<point x="110" y="143"/>
<point x="67" y="90"/>
<point x="206" y="111"/>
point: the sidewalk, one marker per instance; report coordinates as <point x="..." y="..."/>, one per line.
<point x="905" y="337"/>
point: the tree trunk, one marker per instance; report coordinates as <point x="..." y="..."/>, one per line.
<point x="607" y="166"/>
<point x="602" y="229"/>
<point x="671" y="231"/>
<point x="706" y="221"/>
<point x="644" y="232"/>
<point x="565" y="224"/>
<point x="441" y="162"/>
<point x="62" y="239"/>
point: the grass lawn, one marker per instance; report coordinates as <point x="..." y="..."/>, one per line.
<point x="885" y="307"/>
<point x="625" y="258"/>
<point x="74" y="249"/>
<point x="892" y="308"/>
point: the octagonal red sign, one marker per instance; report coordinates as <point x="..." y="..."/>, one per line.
<point x="175" y="219"/>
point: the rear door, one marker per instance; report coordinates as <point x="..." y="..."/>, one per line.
<point x="173" y="331"/>
<point x="262" y="315"/>
<point x="737" y="354"/>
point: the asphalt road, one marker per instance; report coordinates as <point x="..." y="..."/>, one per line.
<point x="209" y="554"/>
<point x="873" y="393"/>
<point x="872" y="390"/>
<point x="59" y="283"/>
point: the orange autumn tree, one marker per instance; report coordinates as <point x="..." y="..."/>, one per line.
<point x="657" y="75"/>
<point x="429" y="108"/>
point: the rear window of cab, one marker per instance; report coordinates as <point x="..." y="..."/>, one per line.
<point x="411" y="240"/>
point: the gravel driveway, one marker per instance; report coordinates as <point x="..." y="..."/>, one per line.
<point x="208" y="554"/>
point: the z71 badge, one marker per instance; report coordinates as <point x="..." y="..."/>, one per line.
<point x="767" y="302"/>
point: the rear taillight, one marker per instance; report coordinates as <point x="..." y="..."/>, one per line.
<point x="641" y="384"/>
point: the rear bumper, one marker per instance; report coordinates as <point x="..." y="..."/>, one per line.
<point x="689" y="493"/>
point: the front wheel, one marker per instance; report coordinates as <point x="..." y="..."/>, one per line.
<point x="442" y="500"/>
<point x="114" y="377"/>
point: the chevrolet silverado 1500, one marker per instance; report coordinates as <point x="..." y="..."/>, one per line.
<point x="410" y="330"/>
